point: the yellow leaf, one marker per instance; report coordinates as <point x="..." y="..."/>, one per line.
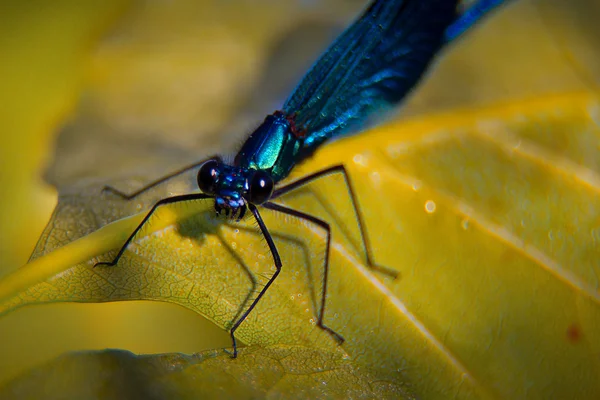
<point x="263" y="372"/>
<point x="490" y="220"/>
<point x="496" y="293"/>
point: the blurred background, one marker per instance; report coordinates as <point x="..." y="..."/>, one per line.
<point x="109" y="92"/>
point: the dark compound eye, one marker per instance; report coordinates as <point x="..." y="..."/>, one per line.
<point x="261" y="187"/>
<point x="208" y="176"/>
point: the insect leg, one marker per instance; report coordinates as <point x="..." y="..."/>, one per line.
<point x="129" y="196"/>
<point x="324" y="225"/>
<point x="340" y="169"/>
<point x="169" y="200"/>
<point x="276" y="259"/>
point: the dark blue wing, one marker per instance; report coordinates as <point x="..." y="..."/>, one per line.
<point x="470" y="17"/>
<point x="370" y="67"/>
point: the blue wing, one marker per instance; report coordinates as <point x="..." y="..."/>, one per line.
<point x="370" y="67"/>
<point x="374" y="64"/>
<point x="470" y="17"/>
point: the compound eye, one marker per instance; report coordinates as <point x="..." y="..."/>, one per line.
<point x="261" y="187"/>
<point x="208" y="176"/>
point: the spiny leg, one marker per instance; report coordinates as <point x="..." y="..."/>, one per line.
<point x="157" y="182"/>
<point x="169" y="200"/>
<point x="276" y="259"/>
<point x="365" y="238"/>
<point x="324" y="225"/>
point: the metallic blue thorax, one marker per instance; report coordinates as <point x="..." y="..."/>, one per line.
<point x="274" y="147"/>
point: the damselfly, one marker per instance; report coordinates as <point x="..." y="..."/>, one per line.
<point x="369" y="68"/>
